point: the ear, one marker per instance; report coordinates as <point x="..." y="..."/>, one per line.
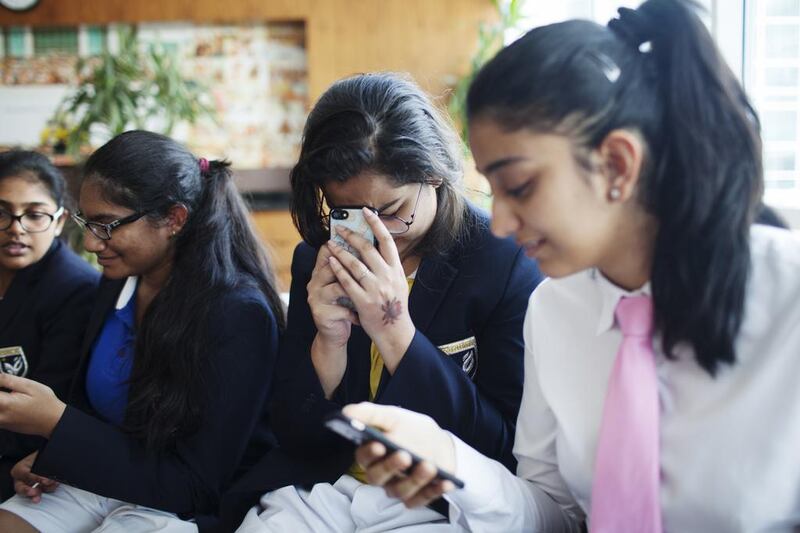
<point x="621" y="153"/>
<point x="176" y="218"/>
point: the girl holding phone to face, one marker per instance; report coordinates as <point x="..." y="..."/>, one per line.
<point x="437" y="306"/>
<point x="662" y="358"/>
<point x="46" y="290"/>
<point x="169" y="398"/>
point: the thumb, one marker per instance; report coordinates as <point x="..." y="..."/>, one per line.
<point x="381" y="416"/>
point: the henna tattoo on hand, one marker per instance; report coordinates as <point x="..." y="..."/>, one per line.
<point x="391" y="311"/>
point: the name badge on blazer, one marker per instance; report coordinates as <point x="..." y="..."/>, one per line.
<point x="13" y="361"/>
<point x="467" y="349"/>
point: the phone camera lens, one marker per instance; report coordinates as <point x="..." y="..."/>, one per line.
<point x="339" y="214"/>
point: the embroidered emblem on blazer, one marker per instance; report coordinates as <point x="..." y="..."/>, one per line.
<point x="468" y="349"/>
<point x="13" y="361"/>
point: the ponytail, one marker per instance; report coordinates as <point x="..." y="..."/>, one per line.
<point x="654" y="70"/>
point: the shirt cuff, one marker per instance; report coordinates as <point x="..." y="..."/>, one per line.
<point x="483" y="482"/>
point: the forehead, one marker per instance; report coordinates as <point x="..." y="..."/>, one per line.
<point x="494" y="148"/>
<point x="25" y="189"/>
<point x="93" y="202"/>
<point x="371" y="189"/>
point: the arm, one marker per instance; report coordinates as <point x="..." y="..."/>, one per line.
<point x="483" y="412"/>
<point x="62" y="328"/>
<point x="300" y="402"/>
<point x="93" y="455"/>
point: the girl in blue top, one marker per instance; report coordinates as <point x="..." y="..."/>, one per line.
<point x="177" y="361"/>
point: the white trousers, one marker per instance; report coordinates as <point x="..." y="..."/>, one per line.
<point x="346" y="506"/>
<point x="72" y="510"/>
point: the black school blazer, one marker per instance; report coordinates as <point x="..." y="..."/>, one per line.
<point x="480" y="289"/>
<point x="45" y="310"/>
<point x="86" y="452"/>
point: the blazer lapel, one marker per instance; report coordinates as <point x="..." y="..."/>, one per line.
<point x="431" y="284"/>
<point x="106" y="299"/>
<point x="21" y="284"/>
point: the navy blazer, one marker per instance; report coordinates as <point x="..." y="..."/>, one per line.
<point x="45" y="310"/>
<point x="86" y="452"/>
<point x="479" y="288"/>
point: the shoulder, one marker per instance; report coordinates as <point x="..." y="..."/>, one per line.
<point x="565" y="297"/>
<point x="304" y="257"/>
<point x="481" y="249"/>
<point x="242" y="306"/>
<point x="69" y="269"/>
<point x="775" y="262"/>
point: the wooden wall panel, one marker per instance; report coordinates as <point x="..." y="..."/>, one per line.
<point x="431" y="39"/>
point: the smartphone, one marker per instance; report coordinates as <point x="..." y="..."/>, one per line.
<point x="358" y="433"/>
<point x="13" y="361"/>
<point x="353" y="219"/>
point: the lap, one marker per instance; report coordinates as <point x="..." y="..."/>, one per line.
<point x="70" y="509"/>
<point x="345" y="506"/>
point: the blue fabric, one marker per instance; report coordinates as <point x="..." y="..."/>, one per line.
<point x="111" y="362"/>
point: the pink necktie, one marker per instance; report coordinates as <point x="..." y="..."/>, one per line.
<point x="625" y="489"/>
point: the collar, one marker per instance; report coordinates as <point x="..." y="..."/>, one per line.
<point x="127" y="292"/>
<point x="610" y="295"/>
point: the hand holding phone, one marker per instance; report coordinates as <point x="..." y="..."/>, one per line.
<point x="358" y="433"/>
<point x="353" y="219"/>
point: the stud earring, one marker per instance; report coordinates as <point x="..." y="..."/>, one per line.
<point x="614" y="194"/>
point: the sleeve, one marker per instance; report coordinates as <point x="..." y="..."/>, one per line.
<point x="299" y="403"/>
<point x="537" y="499"/>
<point x="88" y="453"/>
<point x="482" y="412"/>
<point x="63" y="325"/>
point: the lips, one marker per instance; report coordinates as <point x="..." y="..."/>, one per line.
<point x="532" y="246"/>
<point x="15" y="248"/>
<point x="105" y="261"/>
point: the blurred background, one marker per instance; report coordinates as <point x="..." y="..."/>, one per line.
<point x="235" y="79"/>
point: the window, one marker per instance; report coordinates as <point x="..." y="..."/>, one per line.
<point x="55" y="41"/>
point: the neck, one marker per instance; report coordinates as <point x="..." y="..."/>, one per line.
<point x="630" y="261"/>
<point x="410" y="264"/>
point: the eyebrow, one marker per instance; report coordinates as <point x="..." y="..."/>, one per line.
<point x="500" y="163"/>
<point x="387" y="205"/>
<point x="100" y="217"/>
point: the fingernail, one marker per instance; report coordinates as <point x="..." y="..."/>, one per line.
<point x="368" y="212"/>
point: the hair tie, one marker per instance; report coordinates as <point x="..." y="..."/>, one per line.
<point x="630" y="26"/>
<point x="203" y="165"/>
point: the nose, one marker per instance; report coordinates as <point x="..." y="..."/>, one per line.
<point x="16" y="227"/>
<point x="92" y="243"/>
<point x="504" y="221"/>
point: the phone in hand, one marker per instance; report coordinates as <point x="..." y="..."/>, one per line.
<point x="353" y="219"/>
<point x="358" y="433"/>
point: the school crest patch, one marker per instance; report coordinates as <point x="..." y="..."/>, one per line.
<point x="467" y="351"/>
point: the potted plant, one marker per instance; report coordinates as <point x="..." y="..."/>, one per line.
<point x="127" y="89"/>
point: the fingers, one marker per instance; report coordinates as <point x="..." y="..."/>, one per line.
<point x="386" y="244"/>
<point x="368" y="453"/>
<point x="348" y="283"/>
<point x="432" y="492"/>
<point x="357" y="269"/>
<point x="408" y="486"/>
<point x="17" y="384"/>
<point x="385" y="471"/>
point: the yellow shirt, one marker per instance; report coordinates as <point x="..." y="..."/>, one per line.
<point x="375" y="372"/>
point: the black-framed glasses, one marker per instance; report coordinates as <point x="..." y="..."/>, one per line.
<point x="31" y="221"/>
<point x="395" y="224"/>
<point x="103" y="231"/>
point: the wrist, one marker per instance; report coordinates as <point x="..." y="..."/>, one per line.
<point x="53" y="417"/>
<point x="394" y="345"/>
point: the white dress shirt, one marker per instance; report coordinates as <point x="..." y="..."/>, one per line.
<point x="730" y="444"/>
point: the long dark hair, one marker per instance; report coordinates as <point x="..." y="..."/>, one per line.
<point x="382" y="123"/>
<point x="654" y="70"/>
<point x="37" y="167"/>
<point x="215" y="251"/>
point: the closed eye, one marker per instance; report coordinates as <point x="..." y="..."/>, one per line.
<point x="518" y="192"/>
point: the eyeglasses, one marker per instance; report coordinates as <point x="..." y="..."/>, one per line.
<point x="397" y="225"/>
<point x="32" y="221"/>
<point x="103" y="231"/>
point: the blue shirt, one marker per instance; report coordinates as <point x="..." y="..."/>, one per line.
<point x="112" y="358"/>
